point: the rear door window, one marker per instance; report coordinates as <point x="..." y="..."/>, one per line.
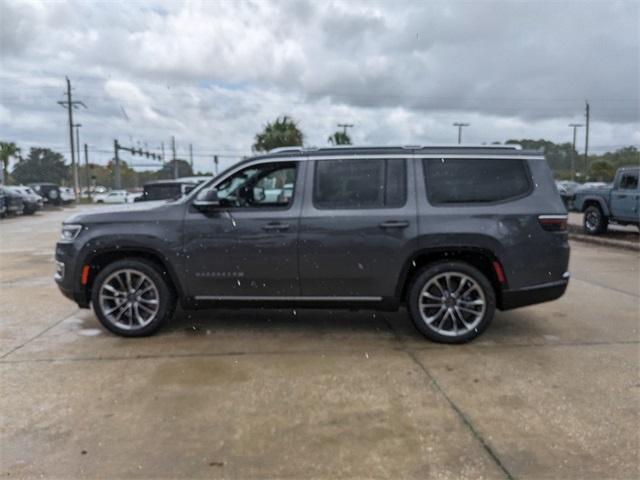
<point x="359" y="184"/>
<point x="475" y="180"/>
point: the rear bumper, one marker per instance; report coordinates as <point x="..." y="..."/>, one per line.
<point x="536" y="294"/>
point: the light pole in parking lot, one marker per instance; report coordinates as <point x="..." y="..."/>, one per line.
<point x="77" y="163"/>
<point x="575" y="126"/>
<point x="460" y="126"/>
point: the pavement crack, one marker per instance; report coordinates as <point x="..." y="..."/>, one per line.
<point x="35" y="337"/>
<point x="465" y="420"/>
<point x="606" y="287"/>
<point x="461" y="415"/>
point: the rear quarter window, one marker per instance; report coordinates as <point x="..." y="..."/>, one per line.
<point x="475" y="180"/>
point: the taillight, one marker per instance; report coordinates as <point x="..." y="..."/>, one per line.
<point x="553" y="223"/>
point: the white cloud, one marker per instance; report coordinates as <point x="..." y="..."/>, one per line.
<point x="212" y="73"/>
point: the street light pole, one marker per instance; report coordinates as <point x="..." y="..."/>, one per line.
<point x="460" y="126"/>
<point x="76" y="177"/>
<point x="575" y="126"/>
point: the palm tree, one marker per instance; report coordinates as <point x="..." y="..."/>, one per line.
<point x="7" y="151"/>
<point x="339" y="138"/>
<point x="283" y="132"/>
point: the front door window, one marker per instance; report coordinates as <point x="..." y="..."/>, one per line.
<point x="259" y="186"/>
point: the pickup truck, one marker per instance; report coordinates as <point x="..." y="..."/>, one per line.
<point x="618" y="204"/>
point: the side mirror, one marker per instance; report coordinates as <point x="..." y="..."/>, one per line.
<point x="208" y="200"/>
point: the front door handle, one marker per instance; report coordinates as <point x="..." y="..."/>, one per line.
<point x="394" y="224"/>
<point x="270" y="227"/>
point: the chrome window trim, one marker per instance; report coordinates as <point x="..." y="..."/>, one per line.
<point x="304" y="158"/>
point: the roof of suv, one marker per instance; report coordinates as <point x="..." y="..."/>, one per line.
<point x="511" y="150"/>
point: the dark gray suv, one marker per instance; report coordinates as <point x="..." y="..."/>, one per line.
<point x="452" y="233"/>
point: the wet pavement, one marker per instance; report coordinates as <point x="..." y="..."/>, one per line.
<point x="550" y="391"/>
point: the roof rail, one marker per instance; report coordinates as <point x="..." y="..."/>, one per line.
<point x="510" y="146"/>
<point x="286" y="149"/>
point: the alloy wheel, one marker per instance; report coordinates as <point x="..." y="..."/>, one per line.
<point x="592" y="220"/>
<point x="129" y="299"/>
<point x="452" y="304"/>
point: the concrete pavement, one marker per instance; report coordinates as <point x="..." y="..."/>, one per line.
<point x="550" y="391"/>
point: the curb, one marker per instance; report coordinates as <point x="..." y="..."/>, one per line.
<point x="604" y="242"/>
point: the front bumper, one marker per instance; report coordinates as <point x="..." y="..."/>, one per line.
<point x="67" y="275"/>
<point x="535" y="294"/>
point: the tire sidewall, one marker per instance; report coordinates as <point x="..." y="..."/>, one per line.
<point x="599" y="228"/>
<point x="432" y="270"/>
<point x="166" y="300"/>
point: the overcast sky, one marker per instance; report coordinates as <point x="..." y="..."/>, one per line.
<point x="213" y="73"/>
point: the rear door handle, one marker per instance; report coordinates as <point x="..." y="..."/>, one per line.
<point x="621" y="195"/>
<point x="270" y="227"/>
<point x="394" y="224"/>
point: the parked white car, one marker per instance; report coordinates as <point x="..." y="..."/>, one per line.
<point x="114" y="196"/>
<point x="131" y="196"/>
<point x="67" y="195"/>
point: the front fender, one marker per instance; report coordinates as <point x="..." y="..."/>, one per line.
<point x="587" y="200"/>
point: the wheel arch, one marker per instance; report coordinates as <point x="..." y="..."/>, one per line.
<point x="597" y="201"/>
<point x="100" y="259"/>
<point x="480" y="258"/>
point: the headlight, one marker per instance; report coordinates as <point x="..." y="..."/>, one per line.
<point x="70" y="232"/>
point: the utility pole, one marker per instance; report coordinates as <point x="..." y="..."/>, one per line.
<point x="69" y="104"/>
<point x="586" y="139"/>
<point x="77" y="127"/>
<point x="116" y="166"/>
<point x="86" y="170"/>
<point x="460" y="126"/>
<point x="191" y="155"/>
<point x="175" y="161"/>
<point x="575" y="126"/>
<point x="162" y="148"/>
<point x="215" y="163"/>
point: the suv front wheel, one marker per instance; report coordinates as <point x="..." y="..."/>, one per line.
<point x="451" y="302"/>
<point x="131" y="298"/>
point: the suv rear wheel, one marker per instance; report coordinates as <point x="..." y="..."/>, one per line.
<point x="594" y="221"/>
<point x="131" y="298"/>
<point x="451" y="302"/>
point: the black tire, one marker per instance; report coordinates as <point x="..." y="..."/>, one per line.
<point x="594" y="222"/>
<point x="166" y="297"/>
<point x="465" y="272"/>
<point x="54" y="197"/>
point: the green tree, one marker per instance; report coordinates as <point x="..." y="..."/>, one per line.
<point x="42" y="165"/>
<point x="622" y="157"/>
<point x="558" y="155"/>
<point x="602" y="171"/>
<point x="8" y="150"/>
<point x="339" y="138"/>
<point x="283" y="132"/>
<point x="166" y="172"/>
